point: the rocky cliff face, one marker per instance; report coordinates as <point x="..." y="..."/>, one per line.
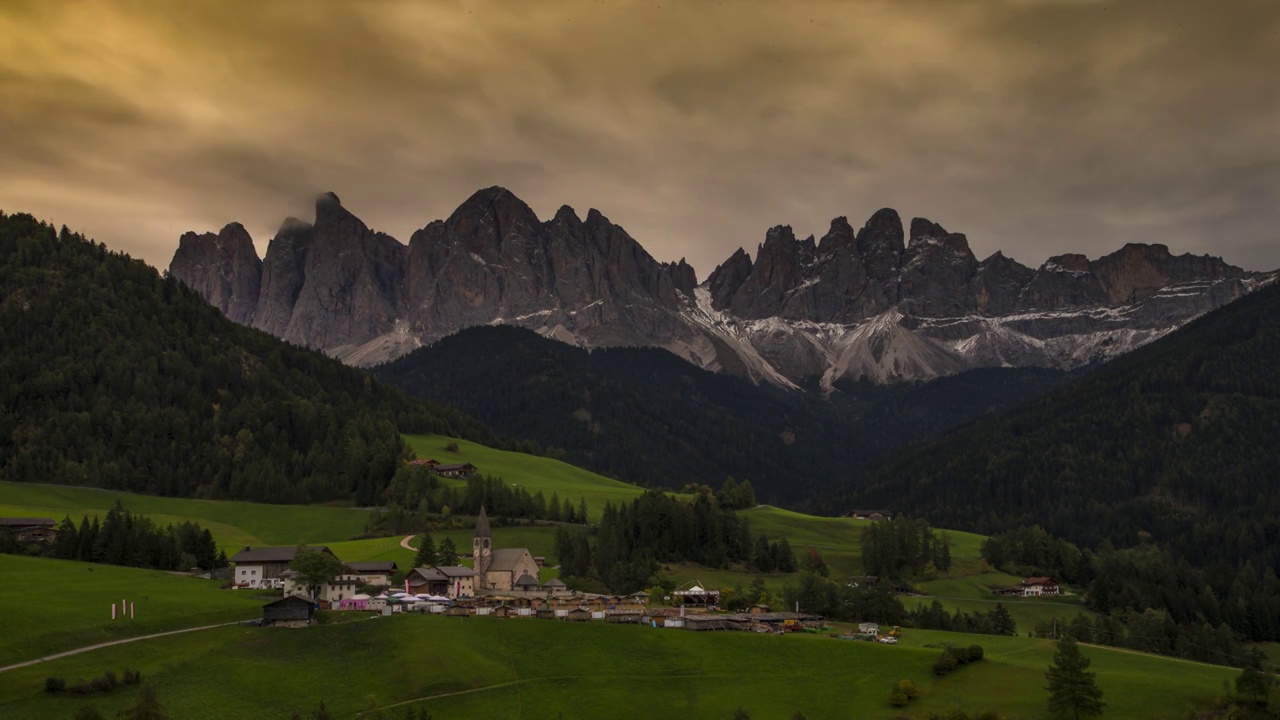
<point x="881" y="302"/>
<point x="223" y="268"/>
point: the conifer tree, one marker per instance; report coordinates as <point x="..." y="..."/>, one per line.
<point x="1072" y="688"/>
<point x="448" y="554"/>
<point x="426" y="556"/>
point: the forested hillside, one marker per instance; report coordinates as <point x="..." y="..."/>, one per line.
<point x="116" y="377"/>
<point x="645" y="416"/>
<point x="1172" y="445"/>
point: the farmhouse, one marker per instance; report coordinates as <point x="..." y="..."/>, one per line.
<point x="455" y="470"/>
<point x="263" y="567"/>
<point x="1036" y="586"/>
<point x="451" y="581"/>
<point x="869" y="514"/>
<point x="377" y="572"/>
<point x="27" y="530"/>
<point x="429" y="464"/>
<point x="499" y="570"/>
<point x="289" y="611"/>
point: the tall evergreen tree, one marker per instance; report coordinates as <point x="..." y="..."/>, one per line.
<point x="448" y="553"/>
<point x="426" y="556"/>
<point x="1072" y="688"/>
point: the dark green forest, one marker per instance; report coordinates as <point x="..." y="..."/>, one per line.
<point x="1163" y="463"/>
<point x="645" y="416"/>
<point x="114" y="376"/>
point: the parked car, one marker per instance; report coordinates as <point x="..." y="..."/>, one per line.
<point x="889" y="640"/>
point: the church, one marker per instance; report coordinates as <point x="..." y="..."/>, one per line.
<point x="500" y="570"/>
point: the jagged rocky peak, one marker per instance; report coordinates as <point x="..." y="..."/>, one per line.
<point x="999" y="283"/>
<point x="723" y="282"/>
<point x="224" y="268"/>
<point x="840" y="236"/>
<point x="936" y="273"/>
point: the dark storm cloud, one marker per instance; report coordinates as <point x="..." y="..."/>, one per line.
<point x="1035" y="126"/>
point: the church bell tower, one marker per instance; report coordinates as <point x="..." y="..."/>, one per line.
<point x="482" y="549"/>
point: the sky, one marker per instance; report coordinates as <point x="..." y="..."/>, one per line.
<point x="1036" y="127"/>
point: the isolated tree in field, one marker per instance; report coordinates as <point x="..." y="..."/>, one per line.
<point x="148" y="706"/>
<point x="322" y="713"/>
<point x="426" y="556"/>
<point x="314" y="569"/>
<point x="448" y="553"/>
<point x="1072" y="688"/>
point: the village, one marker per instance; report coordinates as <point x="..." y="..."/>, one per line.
<point x="502" y="583"/>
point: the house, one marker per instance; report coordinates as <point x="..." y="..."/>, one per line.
<point x="758" y="608"/>
<point x="555" y="585"/>
<point x="289" y="611"/>
<point x="455" y="470"/>
<point x="263" y="567"/>
<point x="527" y="583"/>
<point x="377" y="572"/>
<point x="1037" y="586"/>
<point x="499" y="570"/>
<point x="578" y="615"/>
<point x="30" y="529"/>
<point x="869" y="514"/>
<point x="429" y="464"/>
<point x="869" y="628"/>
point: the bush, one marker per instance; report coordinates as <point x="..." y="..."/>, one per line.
<point x="54" y="685"/>
<point x="897" y="698"/>
<point x="945" y="663"/>
<point x="953" y="657"/>
<point x="975" y="653"/>
<point x="908" y="688"/>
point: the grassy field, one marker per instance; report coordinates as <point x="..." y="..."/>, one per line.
<point x="47" y="606"/>
<point x="527" y="669"/>
<point x="233" y="524"/>
<point x="535" y="473"/>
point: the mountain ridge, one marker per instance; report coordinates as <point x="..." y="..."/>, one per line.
<point x="885" y="302"/>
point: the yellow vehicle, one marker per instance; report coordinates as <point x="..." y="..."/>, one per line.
<point x="896" y="632"/>
<point x="791" y="625"/>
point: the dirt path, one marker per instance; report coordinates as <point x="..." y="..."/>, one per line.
<point x="87" y="648"/>
<point x="405" y="543"/>
<point x="1156" y="656"/>
<point x="522" y="681"/>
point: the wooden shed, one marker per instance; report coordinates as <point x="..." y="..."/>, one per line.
<point x="578" y="615"/>
<point x="292" y="611"/>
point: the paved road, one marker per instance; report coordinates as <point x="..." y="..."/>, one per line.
<point x="87" y="648"/>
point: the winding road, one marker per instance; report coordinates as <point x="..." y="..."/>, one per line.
<point x="87" y="648"/>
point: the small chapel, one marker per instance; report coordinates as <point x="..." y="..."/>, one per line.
<point x="501" y="570"/>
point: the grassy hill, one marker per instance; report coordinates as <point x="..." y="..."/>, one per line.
<point x="535" y="473"/>
<point x="48" y="606"/>
<point x="483" y="667"/>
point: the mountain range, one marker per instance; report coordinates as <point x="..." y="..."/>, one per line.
<point x="886" y="303"/>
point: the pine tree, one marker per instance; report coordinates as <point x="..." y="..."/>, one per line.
<point x="1072" y="689"/>
<point x="448" y="554"/>
<point x="426" y="556"/>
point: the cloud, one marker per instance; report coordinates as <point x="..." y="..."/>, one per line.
<point x="1035" y="126"/>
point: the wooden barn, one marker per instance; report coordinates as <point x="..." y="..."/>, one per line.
<point x="291" y="611"/>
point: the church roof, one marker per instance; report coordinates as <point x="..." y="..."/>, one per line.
<point x="506" y="559"/>
<point x="482" y="524"/>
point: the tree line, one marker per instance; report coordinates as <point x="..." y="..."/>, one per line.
<point x="125" y="538"/>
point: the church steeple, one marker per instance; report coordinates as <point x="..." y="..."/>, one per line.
<point x="482" y="548"/>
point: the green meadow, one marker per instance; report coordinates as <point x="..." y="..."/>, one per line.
<point x="536" y="473"/>
<point x="533" y="669"/>
<point x="47" y="606"/>
<point x="233" y="524"/>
